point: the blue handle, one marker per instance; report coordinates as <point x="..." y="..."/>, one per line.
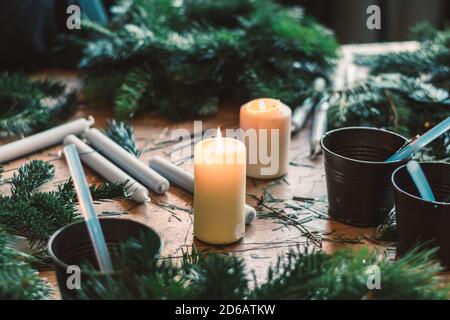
<point x="421" y="182"/>
<point x="421" y="142"/>
<point x="87" y="208"/>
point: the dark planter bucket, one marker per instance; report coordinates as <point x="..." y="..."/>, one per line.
<point x="358" y="181"/>
<point x="71" y="245"/>
<point x="421" y="221"/>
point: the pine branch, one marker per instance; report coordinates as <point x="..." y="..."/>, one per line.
<point x="129" y="95"/>
<point x="18" y="87"/>
<point x="28" y="106"/>
<point x="31" y="176"/>
<point x="18" y="280"/>
<point x="98" y="87"/>
<point x="181" y="60"/>
<point x="123" y="134"/>
<point x="418" y="92"/>
<point x="302" y="275"/>
<point x="423" y="31"/>
<point x="402" y="104"/>
<point x="109" y="190"/>
<point x="37" y="215"/>
<point x="431" y="59"/>
<point x="103" y="191"/>
<point x="214" y="268"/>
<point x="344" y="276"/>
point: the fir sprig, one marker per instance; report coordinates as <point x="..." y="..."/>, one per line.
<point x="30" y="176"/>
<point x="123" y="133"/>
<point x="103" y="191"/>
<point x="300" y="275"/>
<point x="37" y="215"/>
<point x="432" y="59"/>
<point x="230" y="270"/>
<point x="415" y="93"/>
<point x="345" y="274"/>
<point x="183" y="59"/>
<point x="131" y="92"/>
<point x="109" y="190"/>
<point x="18" y="280"/>
<point x="390" y="100"/>
<point x="402" y="104"/>
<point x="27" y="106"/>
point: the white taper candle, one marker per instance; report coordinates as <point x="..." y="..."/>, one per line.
<point x="107" y="169"/>
<point x="127" y="162"/>
<point x="185" y="180"/>
<point x="175" y="174"/>
<point x="43" y="139"/>
<point x="301" y="113"/>
<point x="319" y="126"/>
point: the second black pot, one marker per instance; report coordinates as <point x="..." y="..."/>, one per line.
<point x="420" y="221"/>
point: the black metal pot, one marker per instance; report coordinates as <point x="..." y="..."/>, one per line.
<point x="71" y="246"/>
<point x="422" y="221"/>
<point x="358" y="180"/>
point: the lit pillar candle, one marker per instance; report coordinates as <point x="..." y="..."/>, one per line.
<point x="219" y="190"/>
<point x="266" y="124"/>
<point x="43" y="139"/>
<point x="185" y="180"/>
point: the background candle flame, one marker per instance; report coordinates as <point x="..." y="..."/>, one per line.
<point x="219" y="140"/>
<point x="262" y="105"/>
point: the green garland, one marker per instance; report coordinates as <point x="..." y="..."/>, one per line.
<point x="36" y="215"/>
<point x="393" y="101"/>
<point x="299" y="275"/>
<point x="431" y="61"/>
<point x="18" y="280"/>
<point x="27" y="106"/>
<point x="408" y="92"/>
<point x="182" y="59"/>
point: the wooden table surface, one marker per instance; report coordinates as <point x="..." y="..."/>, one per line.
<point x="264" y="240"/>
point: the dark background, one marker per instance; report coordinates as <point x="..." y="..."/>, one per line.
<point x="348" y="17"/>
<point x="28" y="28"/>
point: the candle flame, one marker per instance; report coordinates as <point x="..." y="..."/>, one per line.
<point x="262" y="105"/>
<point x="219" y="140"/>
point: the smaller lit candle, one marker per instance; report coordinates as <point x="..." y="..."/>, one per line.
<point x="219" y="190"/>
<point x="267" y="128"/>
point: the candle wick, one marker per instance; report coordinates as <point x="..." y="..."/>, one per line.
<point x="262" y="105"/>
<point x="219" y="142"/>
